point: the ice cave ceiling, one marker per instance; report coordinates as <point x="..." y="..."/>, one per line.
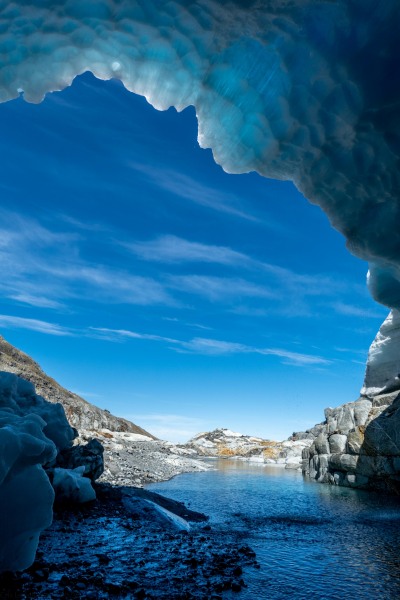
<point x="305" y="90"/>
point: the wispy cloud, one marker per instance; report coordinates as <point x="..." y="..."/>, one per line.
<point x="219" y="288"/>
<point x="12" y="322"/>
<point x="43" y="268"/>
<point x="211" y="347"/>
<point x="39" y="301"/>
<point x="350" y="310"/>
<point x="219" y="347"/>
<point x="116" y="335"/>
<point x="115" y="286"/>
<point x="189" y="188"/>
<point x="172" y="249"/>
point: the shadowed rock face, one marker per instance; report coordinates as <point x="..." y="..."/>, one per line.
<point x="80" y="413"/>
<point x="359" y="445"/>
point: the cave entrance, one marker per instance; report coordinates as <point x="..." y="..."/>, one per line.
<point x="148" y="280"/>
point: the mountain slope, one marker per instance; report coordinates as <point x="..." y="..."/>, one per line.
<point x="80" y="413"/>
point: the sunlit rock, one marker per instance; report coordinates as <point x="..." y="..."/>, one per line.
<point x="224" y="443"/>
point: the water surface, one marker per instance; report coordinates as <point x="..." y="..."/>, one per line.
<point x="312" y="540"/>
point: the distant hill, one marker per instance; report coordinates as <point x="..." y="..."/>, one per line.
<point x="224" y="443"/>
<point x="80" y="413"/>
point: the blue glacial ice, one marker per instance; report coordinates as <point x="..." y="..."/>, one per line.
<point x="306" y="90"/>
<point x="32" y="430"/>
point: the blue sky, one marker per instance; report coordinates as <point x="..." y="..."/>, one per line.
<point x="143" y="277"/>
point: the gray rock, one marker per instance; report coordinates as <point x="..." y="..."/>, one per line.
<point x="343" y="462"/>
<point x="355" y="440"/>
<point x="337" y="443"/>
<point x="323" y="465"/>
<point x="312" y="450"/>
<point x="345" y="418"/>
<point x="316" y="430"/>
<point x="361" y="411"/>
<point x="382" y="435"/>
<point x="375" y="466"/>
<point x="322" y="444"/>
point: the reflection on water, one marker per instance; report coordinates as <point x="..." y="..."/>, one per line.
<point x="311" y="540"/>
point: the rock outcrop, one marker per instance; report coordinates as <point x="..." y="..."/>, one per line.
<point x="358" y="445"/>
<point x="81" y="414"/>
<point x="224" y="443"/>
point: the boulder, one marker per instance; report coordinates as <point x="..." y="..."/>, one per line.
<point x="322" y="444"/>
<point x="355" y="441"/>
<point x="343" y="462"/>
<point x="337" y="443"/>
<point x="89" y="456"/>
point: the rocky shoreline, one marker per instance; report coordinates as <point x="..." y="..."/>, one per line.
<point x="134" y="460"/>
<point x="132" y="544"/>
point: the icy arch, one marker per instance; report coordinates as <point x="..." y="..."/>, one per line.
<point x="306" y="90"/>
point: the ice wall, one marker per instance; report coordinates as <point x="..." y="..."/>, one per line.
<point x="31" y="432"/>
<point x="306" y="90"/>
<point x="383" y="364"/>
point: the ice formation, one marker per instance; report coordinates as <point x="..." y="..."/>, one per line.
<point x="31" y="431"/>
<point x="71" y="486"/>
<point x="383" y="364"/>
<point x="306" y="90"/>
<point x="18" y="396"/>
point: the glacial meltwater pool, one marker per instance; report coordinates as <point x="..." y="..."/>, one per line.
<point x="312" y="541"/>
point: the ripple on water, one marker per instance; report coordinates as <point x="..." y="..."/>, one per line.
<point x="311" y="540"/>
